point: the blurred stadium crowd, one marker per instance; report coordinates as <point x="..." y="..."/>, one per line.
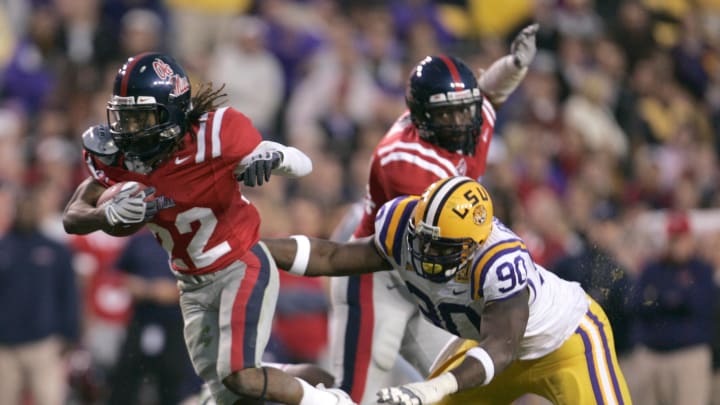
<point x="605" y="160"/>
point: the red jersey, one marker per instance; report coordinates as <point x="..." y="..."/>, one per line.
<point x="405" y="164"/>
<point x="211" y="225"/>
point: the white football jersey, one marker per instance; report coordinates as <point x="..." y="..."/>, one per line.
<point x="501" y="268"/>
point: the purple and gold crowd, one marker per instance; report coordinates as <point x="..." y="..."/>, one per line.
<point x="606" y="160"/>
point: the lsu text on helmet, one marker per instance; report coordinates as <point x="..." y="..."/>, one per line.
<point x="445" y="103"/>
<point x="451" y="221"/>
<point x="147" y="112"/>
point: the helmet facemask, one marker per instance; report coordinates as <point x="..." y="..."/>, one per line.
<point x="454" y="127"/>
<point x="436" y="258"/>
<point x="144" y="133"/>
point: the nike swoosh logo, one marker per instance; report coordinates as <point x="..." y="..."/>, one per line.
<point x="391" y="286"/>
<point x="458" y="292"/>
<point x="179" y="161"/>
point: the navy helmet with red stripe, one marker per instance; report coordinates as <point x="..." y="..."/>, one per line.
<point x="147" y="114"/>
<point x="445" y="103"/>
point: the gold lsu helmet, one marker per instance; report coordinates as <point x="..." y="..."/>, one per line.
<point x="452" y="219"/>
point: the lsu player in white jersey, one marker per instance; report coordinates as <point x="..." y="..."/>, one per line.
<point x="521" y="328"/>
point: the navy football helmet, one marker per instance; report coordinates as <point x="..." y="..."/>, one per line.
<point x="148" y="110"/>
<point x="445" y="103"/>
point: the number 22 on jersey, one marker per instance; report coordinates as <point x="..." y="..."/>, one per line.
<point x="197" y="249"/>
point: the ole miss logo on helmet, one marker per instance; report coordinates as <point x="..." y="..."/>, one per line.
<point x="165" y="73"/>
<point x="162" y="69"/>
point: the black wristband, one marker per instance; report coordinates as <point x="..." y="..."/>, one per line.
<point x="265" y="385"/>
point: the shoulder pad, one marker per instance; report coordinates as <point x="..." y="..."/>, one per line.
<point x="98" y="141"/>
<point x="391" y="224"/>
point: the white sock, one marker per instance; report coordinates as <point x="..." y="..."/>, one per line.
<point x="314" y="396"/>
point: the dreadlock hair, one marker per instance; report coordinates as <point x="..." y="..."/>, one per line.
<point x="207" y="99"/>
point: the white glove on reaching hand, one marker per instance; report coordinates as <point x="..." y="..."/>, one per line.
<point x="127" y="207"/>
<point x="523" y="47"/>
<point x="420" y="393"/>
<point x="402" y="395"/>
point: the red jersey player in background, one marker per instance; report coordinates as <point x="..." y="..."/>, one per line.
<point x="446" y="132"/>
<point x="191" y="154"/>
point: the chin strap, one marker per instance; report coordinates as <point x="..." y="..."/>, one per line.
<point x="137" y="166"/>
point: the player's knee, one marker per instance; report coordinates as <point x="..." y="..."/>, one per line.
<point x="248" y="382"/>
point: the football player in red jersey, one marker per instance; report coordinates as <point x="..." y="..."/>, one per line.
<point x="445" y="132"/>
<point x="192" y="153"/>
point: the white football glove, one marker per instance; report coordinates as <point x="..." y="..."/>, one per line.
<point x="420" y="393"/>
<point x="128" y="208"/>
<point x="402" y="395"/>
<point x="523" y="47"/>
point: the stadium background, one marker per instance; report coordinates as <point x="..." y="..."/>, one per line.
<point x="612" y="138"/>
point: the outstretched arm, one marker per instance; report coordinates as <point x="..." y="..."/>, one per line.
<point x="502" y="327"/>
<point x="294" y="162"/>
<point x="319" y="257"/>
<point x="504" y="76"/>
